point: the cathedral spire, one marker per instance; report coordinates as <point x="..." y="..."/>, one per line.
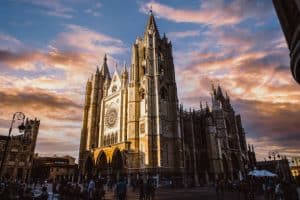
<point x="206" y="107"/>
<point x="97" y="71"/>
<point x="124" y="68"/>
<point x="201" y="108"/>
<point x="104" y="69"/>
<point x="151" y="25"/>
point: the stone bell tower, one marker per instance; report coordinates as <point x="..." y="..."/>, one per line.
<point x="152" y="100"/>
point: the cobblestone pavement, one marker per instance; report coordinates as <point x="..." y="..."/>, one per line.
<point x="185" y="194"/>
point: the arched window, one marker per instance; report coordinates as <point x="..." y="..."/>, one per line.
<point x="114" y="88"/>
<point x="228" y="126"/>
<point x="163" y="94"/>
<point x="142" y="94"/>
<point x="143" y="70"/>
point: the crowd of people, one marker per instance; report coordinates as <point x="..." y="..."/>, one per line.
<point x="19" y="190"/>
<point x="91" y="189"/>
<point x="97" y="188"/>
<point x="252" y="187"/>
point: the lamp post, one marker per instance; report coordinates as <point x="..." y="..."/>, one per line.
<point x="274" y="154"/>
<point x="16" y="116"/>
<point x="295" y="161"/>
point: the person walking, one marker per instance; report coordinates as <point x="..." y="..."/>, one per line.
<point x="91" y="188"/>
<point x="121" y="189"/>
<point x="141" y="189"/>
<point x="278" y="191"/>
<point x="44" y="195"/>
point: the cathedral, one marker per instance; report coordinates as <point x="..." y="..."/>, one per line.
<point x="133" y="125"/>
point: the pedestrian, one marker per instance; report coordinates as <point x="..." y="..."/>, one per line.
<point x="222" y="187"/>
<point x="121" y="189"/>
<point x="278" y="191"/>
<point x="152" y="190"/>
<point x="27" y="194"/>
<point x="44" y="195"/>
<point x="77" y="191"/>
<point x="91" y="188"/>
<point x="141" y="189"/>
<point x="217" y="186"/>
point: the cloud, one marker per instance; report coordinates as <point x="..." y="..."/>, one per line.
<point x="53" y="8"/>
<point x="215" y="12"/>
<point x="271" y="126"/>
<point x="86" y="40"/>
<point x="45" y="146"/>
<point x="184" y="34"/>
<point x="94" y="11"/>
<point x="9" y="39"/>
<point x="49" y="83"/>
<point x="32" y="101"/>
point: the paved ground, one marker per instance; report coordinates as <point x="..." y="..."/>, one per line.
<point x="183" y="194"/>
<point x="199" y="193"/>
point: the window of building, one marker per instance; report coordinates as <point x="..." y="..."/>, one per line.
<point x="167" y="154"/>
<point x="114" y="88"/>
<point x="13" y="156"/>
<point x="23" y="157"/>
<point x="142" y="94"/>
<point x="143" y="70"/>
<point x="163" y="94"/>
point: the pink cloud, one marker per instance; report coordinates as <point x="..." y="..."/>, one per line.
<point x="183" y="34"/>
<point x="214" y="12"/>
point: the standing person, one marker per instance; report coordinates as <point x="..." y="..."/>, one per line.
<point x="77" y="191"/>
<point x="54" y="189"/>
<point x="222" y="187"/>
<point x="217" y="186"/>
<point x="245" y="189"/>
<point x="44" y="195"/>
<point x="121" y="189"/>
<point x="152" y="190"/>
<point x="141" y="189"/>
<point x="91" y="188"/>
<point x="147" y="190"/>
<point x="27" y="194"/>
<point x="278" y="191"/>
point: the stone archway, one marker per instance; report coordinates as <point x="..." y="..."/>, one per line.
<point x="225" y="166"/>
<point x="102" y="164"/>
<point x="117" y="164"/>
<point x="203" y="167"/>
<point x="235" y="166"/>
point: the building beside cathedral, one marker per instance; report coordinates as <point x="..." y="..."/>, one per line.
<point x="17" y="164"/>
<point x="133" y="124"/>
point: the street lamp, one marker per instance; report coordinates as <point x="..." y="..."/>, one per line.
<point x="17" y="116"/>
<point x="274" y="154"/>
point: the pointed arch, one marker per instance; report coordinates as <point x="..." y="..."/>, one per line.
<point x="117" y="160"/>
<point x="101" y="163"/>
<point x="163" y="93"/>
<point x="235" y="165"/>
<point x="225" y="165"/>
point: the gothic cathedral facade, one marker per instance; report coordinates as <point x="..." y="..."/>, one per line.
<point x="133" y="124"/>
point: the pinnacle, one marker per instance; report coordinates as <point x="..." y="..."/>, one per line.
<point x="152" y="24"/>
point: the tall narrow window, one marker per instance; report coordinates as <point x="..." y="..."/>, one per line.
<point x="166" y="154"/>
<point x="163" y="93"/>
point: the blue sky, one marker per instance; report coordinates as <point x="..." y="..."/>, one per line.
<point x="48" y="50"/>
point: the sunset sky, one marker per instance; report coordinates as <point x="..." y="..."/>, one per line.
<point x="48" y="50"/>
